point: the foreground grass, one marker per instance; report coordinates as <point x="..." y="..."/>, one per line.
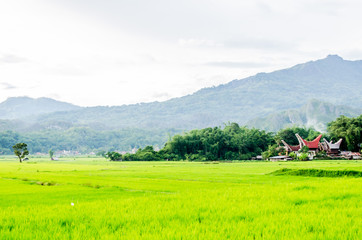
<point x="177" y="200"/>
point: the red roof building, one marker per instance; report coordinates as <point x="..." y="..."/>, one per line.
<point x="290" y="148"/>
<point x="312" y="145"/>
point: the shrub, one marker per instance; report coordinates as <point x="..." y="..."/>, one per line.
<point x="114" y="156"/>
<point x="304" y="149"/>
<point x="303" y="157"/>
<point x="318" y="172"/>
<point x="293" y="155"/>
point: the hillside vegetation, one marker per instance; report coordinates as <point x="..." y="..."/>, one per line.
<point x="332" y="80"/>
<point x="314" y="113"/>
<point x="85" y="140"/>
<point x="306" y="95"/>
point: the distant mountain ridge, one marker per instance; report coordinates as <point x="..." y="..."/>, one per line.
<point x="332" y="79"/>
<point x="20" y="107"/>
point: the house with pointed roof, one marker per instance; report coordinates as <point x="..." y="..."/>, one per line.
<point x="312" y="145"/>
<point x="331" y="148"/>
<point x="290" y="148"/>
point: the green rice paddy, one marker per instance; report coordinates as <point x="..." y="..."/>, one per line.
<point x="96" y="199"/>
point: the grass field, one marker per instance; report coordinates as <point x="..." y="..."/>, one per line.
<point x="95" y="199"/>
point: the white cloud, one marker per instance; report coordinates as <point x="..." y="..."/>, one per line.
<point x="238" y="64"/>
<point x="198" y="43"/>
<point x="10" y="58"/>
<point x="7" y="86"/>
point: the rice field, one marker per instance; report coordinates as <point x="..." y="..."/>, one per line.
<point x="96" y="199"/>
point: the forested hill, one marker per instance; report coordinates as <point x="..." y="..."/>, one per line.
<point x="331" y="79"/>
<point x="267" y="100"/>
<point x="314" y="113"/>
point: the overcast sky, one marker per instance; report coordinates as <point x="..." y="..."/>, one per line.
<point x="114" y="52"/>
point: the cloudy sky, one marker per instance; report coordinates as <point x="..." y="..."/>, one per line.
<point x="114" y="52"/>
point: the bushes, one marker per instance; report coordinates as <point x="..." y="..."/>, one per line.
<point x="293" y="155"/>
<point x="113" y="156"/>
<point x="146" y="154"/>
<point x="321" y="155"/>
<point x="318" y="172"/>
<point x="273" y="150"/>
<point x="303" y="157"/>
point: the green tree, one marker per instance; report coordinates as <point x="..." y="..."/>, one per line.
<point x="349" y="129"/>
<point x="51" y="154"/>
<point x="21" y="150"/>
<point x="232" y="142"/>
<point x="114" y="156"/>
<point x="288" y="135"/>
<point x="273" y="150"/>
<point x="101" y="153"/>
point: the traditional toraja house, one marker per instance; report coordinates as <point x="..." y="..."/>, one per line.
<point x="331" y="148"/>
<point x="290" y="148"/>
<point x="312" y="145"/>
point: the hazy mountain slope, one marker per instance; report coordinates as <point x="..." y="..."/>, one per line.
<point x="331" y="79"/>
<point x="20" y="107"/>
<point x="13" y="125"/>
<point x="263" y="101"/>
<point x="314" y="114"/>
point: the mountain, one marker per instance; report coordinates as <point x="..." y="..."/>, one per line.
<point x="21" y="107"/>
<point x="310" y="94"/>
<point x="331" y="79"/>
<point x="314" y="114"/>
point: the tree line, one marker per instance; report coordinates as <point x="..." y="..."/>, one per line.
<point x="85" y="140"/>
<point x="240" y="143"/>
<point x="231" y="142"/>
